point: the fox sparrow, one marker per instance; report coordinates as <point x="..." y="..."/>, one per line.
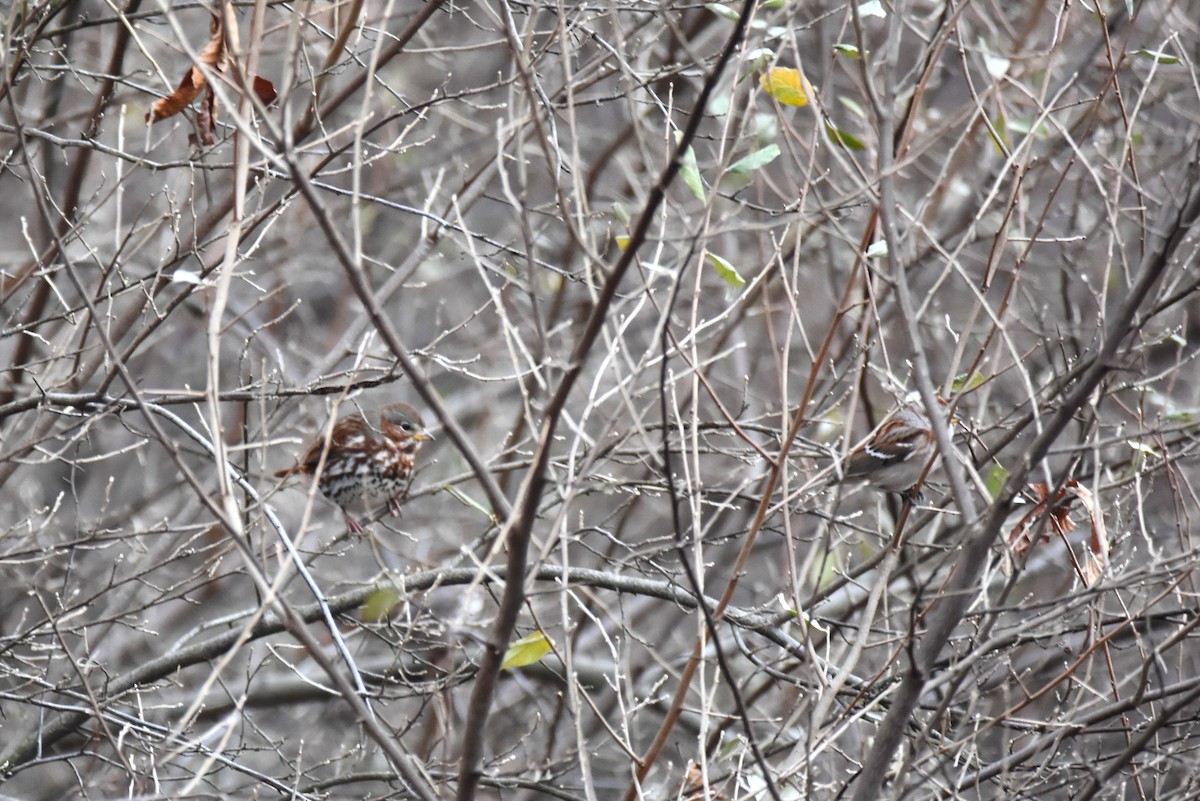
<point x="362" y="459"/>
<point x="894" y="456"/>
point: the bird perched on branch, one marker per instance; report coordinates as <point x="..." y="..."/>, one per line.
<point x="364" y="459"/>
<point x="895" y="455"/>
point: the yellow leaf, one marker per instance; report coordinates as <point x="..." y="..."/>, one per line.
<point x="526" y="651"/>
<point x="727" y="271"/>
<point x="622" y="241"/>
<point x="787" y="86"/>
<point x="379" y="605"/>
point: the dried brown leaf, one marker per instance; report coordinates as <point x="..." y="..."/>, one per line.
<point x="1023" y="536"/>
<point x="193" y="82"/>
<point x="265" y="90"/>
<point x="1096" y="561"/>
<point x="1022" y="539"/>
<point x="214" y="57"/>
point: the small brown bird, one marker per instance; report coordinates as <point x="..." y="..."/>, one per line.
<point x="894" y="456"/>
<point x="362" y="460"/>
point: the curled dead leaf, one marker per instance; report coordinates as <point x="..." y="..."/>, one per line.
<point x="193" y="82"/>
<point x="1056" y="512"/>
<point x="1096" y="560"/>
<point x="1025" y="535"/>
<point x="214" y="57"/>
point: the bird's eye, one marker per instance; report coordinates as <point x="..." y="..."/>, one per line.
<point x="406" y="426"/>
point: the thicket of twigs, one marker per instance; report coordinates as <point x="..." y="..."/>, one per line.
<point x="648" y="272"/>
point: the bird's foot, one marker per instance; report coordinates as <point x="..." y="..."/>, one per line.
<point x="394" y="504"/>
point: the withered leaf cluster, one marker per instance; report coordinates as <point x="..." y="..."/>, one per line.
<point x="215" y="57"/>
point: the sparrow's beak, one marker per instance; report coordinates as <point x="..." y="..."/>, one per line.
<point x="422" y="436"/>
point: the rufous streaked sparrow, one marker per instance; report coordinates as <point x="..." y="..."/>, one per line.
<point x="364" y="459"/>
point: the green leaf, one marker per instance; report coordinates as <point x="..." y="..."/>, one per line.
<point x="379" y="605"/>
<point x="723" y="11"/>
<point x="995" y="480"/>
<point x="526" y="651"/>
<point x="852" y="106"/>
<point x="824" y="572"/>
<point x="719" y="105"/>
<point x="621" y="213"/>
<point x="848" y="50"/>
<point x="1000" y="126"/>
<point x="792" y="614"/>
<point x="1157" y="55"/>
<point x="766" y="127"/>
<point x="758" y="158"/>
<point x="807" y="622"/>
<point x="691" y="174"/>
<point x="841" y="137"/>
<point x="689" y="171"/>
<point x="758" y="58"/>
<point x="966" y="383"/>
<point x="771" y="4"/>
<point x="1023" y="126"/>
<point x="726" y="270"/>
<point x="467" y="500"/>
